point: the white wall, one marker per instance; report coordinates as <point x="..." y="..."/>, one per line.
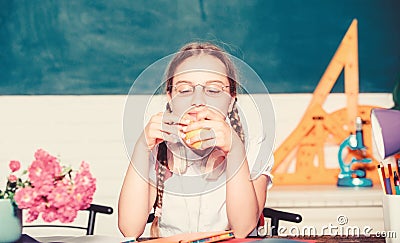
<point x="89" y="128"/>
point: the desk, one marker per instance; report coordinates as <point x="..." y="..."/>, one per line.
<point x="317" y="239"/>
<point x="111" y="239"/>
<point x="322" y="205"/>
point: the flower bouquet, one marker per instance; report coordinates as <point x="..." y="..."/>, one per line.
<point x="47" y="188"/>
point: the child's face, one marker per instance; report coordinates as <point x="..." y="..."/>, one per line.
<point x="195" y="71"/>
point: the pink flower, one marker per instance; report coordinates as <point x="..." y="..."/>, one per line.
<point x="44" y="187"/>
<point x="85" y="186"/>
<point x="14" y="165"/>
<point x="44" y="165"/>
<point x="58" y="196"/>
<point x="32" y="215"/>
<point x="50" y="214"/>
<point x="42" y="155"/>
<point x="41" y="174"/>
<point x="84" y="177"/>
<point x="81" y="199"/>
<point x="25" y="197"/>
<point x="67" y="214"/>
<point x="36" y="172"/>
<point x="12" y="178"/>
<point x="50" y="193"/>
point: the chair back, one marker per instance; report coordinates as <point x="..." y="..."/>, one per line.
<point x="93" y="209"/>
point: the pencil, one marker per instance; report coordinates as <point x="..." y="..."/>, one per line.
<point x="382" y="177"/>
<point x="391" y="180"/>
<point x="397" y="161"/>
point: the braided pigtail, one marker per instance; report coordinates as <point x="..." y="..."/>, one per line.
<point x="234" y="119"/>
<point x="162" y="166"/>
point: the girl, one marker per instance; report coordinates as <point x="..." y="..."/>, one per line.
<point x="190" y="162"/>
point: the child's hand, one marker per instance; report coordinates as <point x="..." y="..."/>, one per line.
<point x="163" y="126"/>
<point x="209" y="129"/>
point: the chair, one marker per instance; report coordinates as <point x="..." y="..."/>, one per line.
<point x="276" y="215"/>
<point x="93" y="210"/>
<point x="273" y="214"/>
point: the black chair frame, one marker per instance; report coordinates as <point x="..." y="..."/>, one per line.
<point x="276" y="215"/>
<point x="273" y="214"/>
<point x="93" y="210"/>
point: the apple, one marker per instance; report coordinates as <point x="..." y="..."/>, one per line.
<point x="191" y="134"/>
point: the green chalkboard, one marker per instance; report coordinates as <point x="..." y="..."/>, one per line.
<point x="100" y="47"/>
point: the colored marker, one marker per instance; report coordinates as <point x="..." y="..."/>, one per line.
<point x="396" y="183"/>
<point x="388" y="186"/>
<point x="392" y="185"/>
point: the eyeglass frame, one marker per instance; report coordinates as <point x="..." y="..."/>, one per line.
<point x="193" y="86"/>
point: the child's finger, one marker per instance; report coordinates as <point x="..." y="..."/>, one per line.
<point x="209" y="114"/>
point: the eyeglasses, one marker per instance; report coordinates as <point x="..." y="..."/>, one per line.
<point x="212" y="90"/>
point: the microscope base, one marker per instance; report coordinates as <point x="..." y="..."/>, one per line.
<point x="354" y="182"/>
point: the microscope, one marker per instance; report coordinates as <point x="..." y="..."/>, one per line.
<point x="350" y="176"/>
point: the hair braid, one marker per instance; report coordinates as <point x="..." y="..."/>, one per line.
<point x="162" y="160"/>
<point x="235" y="121"/>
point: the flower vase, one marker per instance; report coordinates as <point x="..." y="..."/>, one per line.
<point x="10" y="221"/>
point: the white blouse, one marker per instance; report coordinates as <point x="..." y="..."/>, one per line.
<point x="192" y="203"/>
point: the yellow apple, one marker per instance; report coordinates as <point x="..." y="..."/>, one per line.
<point x="191" y="134"/>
